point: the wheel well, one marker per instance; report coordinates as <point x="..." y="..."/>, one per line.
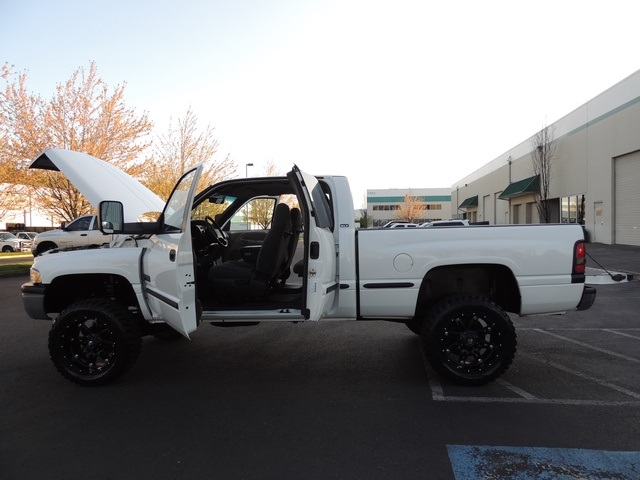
<point x="69" y="289"/>
<point x="44" y="246"/>
<point x="495" y="282"/>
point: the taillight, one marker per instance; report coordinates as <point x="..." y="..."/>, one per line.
<point x="580" y="258"/>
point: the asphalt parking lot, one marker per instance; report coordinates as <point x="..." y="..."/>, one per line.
<point x="330" y="400"/>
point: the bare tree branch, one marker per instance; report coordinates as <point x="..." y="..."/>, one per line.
<point x="542" y="155"/>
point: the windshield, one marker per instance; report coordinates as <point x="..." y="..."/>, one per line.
<point x="7" y="236"/>
<point x="215" y="205"/>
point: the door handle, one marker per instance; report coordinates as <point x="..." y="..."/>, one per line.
<point x="172" y="255"/>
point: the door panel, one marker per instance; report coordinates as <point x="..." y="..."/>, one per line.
<point x="239" y="239"/>
<point x="320" y="281"/>
<point x="168" y="263"/>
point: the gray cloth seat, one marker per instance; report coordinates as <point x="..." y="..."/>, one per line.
<point x="292" y="244"/>
<point x="242" y="278"/>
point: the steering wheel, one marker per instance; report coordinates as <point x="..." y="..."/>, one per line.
<point x="220" y="236"/>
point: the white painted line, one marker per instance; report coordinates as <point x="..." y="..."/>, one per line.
<point x="437" y="393"/>
<point x="591" y="378"/>
<point x="620" y="333"/>
<point x="541" y="401"/>
<point x="579" y="329"/>
<point x="517" y="390"/>
<point x="586" y="345"/>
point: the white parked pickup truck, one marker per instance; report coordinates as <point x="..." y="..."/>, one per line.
<point x="202" y="261"/>
<point x="81" y="232"/>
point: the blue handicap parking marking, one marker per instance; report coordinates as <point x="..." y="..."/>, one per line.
<point x="472" y="462"/>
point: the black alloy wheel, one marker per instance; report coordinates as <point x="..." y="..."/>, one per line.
<point x="469" y="339"/>
<point x="94" y="341"/>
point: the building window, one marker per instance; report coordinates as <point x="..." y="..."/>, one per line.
<point x="572" y="209"/>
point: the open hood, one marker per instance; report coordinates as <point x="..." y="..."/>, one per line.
<point x="98" y="180"/>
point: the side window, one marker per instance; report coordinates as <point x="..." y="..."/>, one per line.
<point x="324" y="216"/>
<point x="82" y="223"/>
<point x="174" y="209"/>
<point x="256" y="214"/>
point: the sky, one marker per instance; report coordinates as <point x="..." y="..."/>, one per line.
<point x="391" y="94"/>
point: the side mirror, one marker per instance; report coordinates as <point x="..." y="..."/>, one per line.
<point x="111" y="217"/>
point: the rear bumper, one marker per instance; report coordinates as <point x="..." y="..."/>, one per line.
<point x="33" y="301"/>
<point x="588" y="297"/>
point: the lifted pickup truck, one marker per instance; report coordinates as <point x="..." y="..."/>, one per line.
<point x="451" y="286"/>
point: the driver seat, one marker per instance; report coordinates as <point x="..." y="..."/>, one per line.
<point x="242" y="278"/>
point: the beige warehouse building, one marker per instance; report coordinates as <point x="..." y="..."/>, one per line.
<point x="595" y="173"/>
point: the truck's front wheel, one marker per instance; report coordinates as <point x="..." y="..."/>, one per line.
<point x="469" y="339"/>
<point x="94" y="341"/>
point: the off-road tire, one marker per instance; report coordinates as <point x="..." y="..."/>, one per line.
<point x="94" y="341"/>
<point x="468" y="339"/>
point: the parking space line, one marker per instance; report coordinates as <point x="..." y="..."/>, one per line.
<point x="438" y="394"/>
<point x="591" y="378"/>
<point x="517" y="390"/>
<point x="586" y="345"/>
<point x="620" y="333"/>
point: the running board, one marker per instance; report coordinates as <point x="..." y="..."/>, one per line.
<point x="282" y="315"/>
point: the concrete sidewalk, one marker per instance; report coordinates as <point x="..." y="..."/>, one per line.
<point x="615" y="259"/>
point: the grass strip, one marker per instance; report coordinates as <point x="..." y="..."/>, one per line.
<point x="15" y="270"/>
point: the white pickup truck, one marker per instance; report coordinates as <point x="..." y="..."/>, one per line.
<point x="81" y="232"/>
<point x="451" y="286"/>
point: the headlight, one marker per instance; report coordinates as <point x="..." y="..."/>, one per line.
<point x="34" y="276"/>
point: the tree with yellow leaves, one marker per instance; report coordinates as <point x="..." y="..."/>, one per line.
<point x="411" y="210"/>
<point x="85" y="115"/>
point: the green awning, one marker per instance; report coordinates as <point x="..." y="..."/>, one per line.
<point x="470" y="202"/>
<point x="521" y="187"/>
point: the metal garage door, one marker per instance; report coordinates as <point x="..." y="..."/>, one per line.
<point x="627" y="201"/>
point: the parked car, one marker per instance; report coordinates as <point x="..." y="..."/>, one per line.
<point x="28" y="236"/>
<point x="447" y="223"/>
<point x="403" y="225"/>
<point x="10" y="243"/>
<point x="82" y="231"/>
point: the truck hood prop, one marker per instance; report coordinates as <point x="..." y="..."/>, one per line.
<point x="98" y="180"/>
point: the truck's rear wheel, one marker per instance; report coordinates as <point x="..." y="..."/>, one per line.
<point x="469" y="339"/>
<point x="94" y="341"/>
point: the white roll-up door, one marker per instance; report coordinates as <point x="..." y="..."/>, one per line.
<point x="627" y="200"/>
